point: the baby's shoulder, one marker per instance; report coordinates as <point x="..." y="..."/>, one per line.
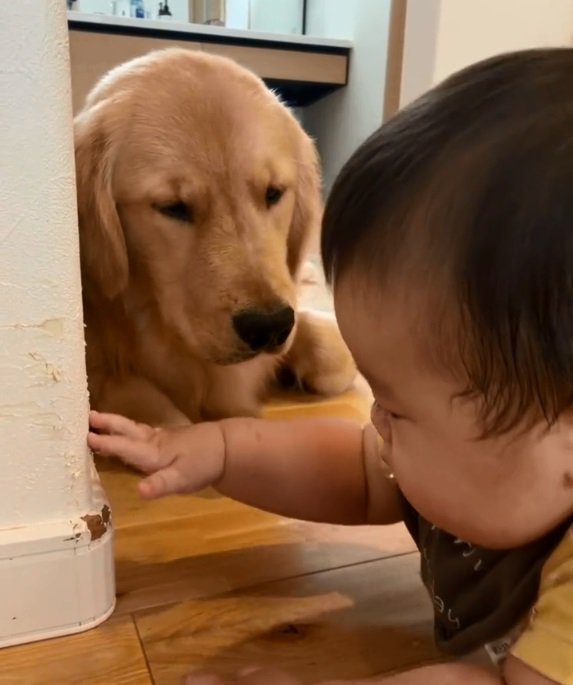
<point x="546" y="644"/>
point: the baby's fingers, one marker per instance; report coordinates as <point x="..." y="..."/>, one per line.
<point x="142" y="455"/>
<point x="114" y="424"/>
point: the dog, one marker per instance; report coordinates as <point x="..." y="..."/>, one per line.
<point x="198" y="197"/>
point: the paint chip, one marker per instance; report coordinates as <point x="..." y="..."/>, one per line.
<point x="98" y="523"/>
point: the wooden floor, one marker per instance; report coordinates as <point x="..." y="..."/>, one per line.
<point x="206" y="583"/>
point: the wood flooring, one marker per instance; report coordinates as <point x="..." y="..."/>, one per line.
<point x="206" y="583"/>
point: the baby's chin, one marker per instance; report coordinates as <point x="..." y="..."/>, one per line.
<point x="495" y="534"/>
<point x="483" y="523"/>
<point x="482" y="534"/>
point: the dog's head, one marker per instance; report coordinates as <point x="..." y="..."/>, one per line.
<point x="198" y="192"/>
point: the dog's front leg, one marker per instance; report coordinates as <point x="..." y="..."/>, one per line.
<point x="138" y="399"/>
<point x="318" y="356"/>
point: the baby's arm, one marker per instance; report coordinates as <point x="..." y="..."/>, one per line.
<point x="316" y="470"/>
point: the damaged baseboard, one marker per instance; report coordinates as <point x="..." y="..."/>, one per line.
<point x="57" y="578"/>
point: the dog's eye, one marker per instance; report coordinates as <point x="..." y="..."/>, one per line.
<point x="178" y="211"/>
<point x="273" y="195"/>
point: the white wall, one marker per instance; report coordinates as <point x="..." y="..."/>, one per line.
<point x="443" y="36"/>
<point x="341" y="121"/>
<point x="331" y="18"/>
<point x="44" y="465"/>
<point x="56" y="562"/>
<point x="272" y="16"/>
<point x="237" y="14"/>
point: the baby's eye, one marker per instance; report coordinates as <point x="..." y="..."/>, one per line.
<point x="378" y="410"/>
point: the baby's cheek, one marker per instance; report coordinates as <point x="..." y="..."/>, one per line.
<point x="421" y="477"/>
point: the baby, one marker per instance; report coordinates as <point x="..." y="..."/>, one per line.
<point x="448" y="240"/>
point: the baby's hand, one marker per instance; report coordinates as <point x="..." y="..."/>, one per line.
<point x="180" y="460"/>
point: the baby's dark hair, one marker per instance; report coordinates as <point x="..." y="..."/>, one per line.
<point x="469" y="191"/>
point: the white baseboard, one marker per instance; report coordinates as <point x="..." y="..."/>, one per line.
<point x="57" y="578"/>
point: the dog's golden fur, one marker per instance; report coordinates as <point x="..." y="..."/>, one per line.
<point x="175" y="152"/>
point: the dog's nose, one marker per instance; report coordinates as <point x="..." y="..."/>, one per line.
<point x="264" y="330"/>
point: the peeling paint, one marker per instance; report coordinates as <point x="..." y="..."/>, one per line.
<point x="19" y="410"/>
<point x="43" y="403"/>
<point x="53" y="327"/>
<point x="73" y="538"/>
<point x="53" y="372"/>
<point x="98" y="523"/>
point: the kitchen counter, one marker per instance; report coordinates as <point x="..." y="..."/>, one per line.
<point x="301" y="68"/>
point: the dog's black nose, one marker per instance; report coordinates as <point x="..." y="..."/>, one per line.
<point x="264" y="330"/>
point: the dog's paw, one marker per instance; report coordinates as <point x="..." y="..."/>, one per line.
<point x="319" y="358"/>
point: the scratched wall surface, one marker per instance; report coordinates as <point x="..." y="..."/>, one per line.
<point x="44" y="464"/>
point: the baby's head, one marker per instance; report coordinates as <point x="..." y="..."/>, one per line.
<point x="448" y="238"/>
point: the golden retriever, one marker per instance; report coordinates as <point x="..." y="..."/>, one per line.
<point x="198" y="194"/>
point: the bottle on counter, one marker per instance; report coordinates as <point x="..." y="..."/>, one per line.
<point x="137" y="9"/>
<point x="164" y="11"/>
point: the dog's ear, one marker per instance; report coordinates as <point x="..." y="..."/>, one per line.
<point x="104" y="258"/>
<point x="307" y="214"/>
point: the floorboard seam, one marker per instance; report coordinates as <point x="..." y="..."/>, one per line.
<point x="142" y="645"/>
